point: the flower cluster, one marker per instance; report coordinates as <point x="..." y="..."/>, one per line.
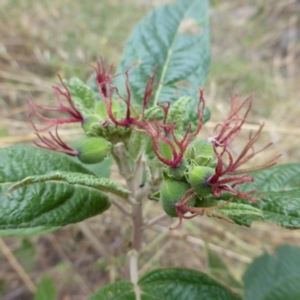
<point x="207" y="167"/>
<point x="226" y="174"/>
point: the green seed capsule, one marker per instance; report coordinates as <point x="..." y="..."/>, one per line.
<point x="202" y="153"/>
<point x="90" y="124"/>
<point x="92" y="149"/>
<point x="179" y="171"/>
<point x="197" y="177"/>
<point x="171" y="192"/>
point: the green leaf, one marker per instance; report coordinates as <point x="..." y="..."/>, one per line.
<point x="27" y="231"/>
<point x="26" y="255"/>
<point x="82" y="95"/>
<point x="122" y="290"/>
<point x="279" y="195"/>
<point x="47" y="204"/>
<point x="20" y="161"/>
<point x="239" y="209"/>
<point x="175" y="39"/>
<point x="78" y="179"/>
<point x="137" y="144"/>
<point x="102" y="169"/>
<point x="53" y="203"/>
<point x="177" y="112"/>
<point x="274" y="277"/>
<point x="46" y="289"/>
<point x="168" y="284"/>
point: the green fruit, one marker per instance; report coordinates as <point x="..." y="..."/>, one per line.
<point x="171" y="192"/>
<point x="90" y="124"/>
<point x="197" y="177"/>
<point x="92" y="149"/>
<point x="179" y="171"/>
<point x="202" y="153"/>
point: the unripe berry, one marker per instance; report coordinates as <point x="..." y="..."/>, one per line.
<point x="92" y="150"/>
<point x="202" y="153"/>
<point x="171" y="192"/>
<point x="90" y="124"/>
<point x="179" y="171"/>
<point x="197" y="177"/>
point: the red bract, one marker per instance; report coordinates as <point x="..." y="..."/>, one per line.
<point x="226" y="176"/>
<point x="161" y="132"/>
<point x="108" y="100"/>
<point x="74" y="116"/>
<point x="55" y="144"/>
<point x="182" y="207"/>
<point x="107" y="90"/>
<point x="104" y="78"/>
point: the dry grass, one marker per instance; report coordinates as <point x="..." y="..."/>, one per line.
<point x="255" y="48"/>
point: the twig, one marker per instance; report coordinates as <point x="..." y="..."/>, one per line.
<point x="17" y="267"/>
<point x="133" y="178"/>
<point x="133" y="266"/>
<point x="137" y="212"/>
<point x="155" y="220"/>
<point x="133" y="263"/>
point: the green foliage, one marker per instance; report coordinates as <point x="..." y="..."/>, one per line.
<point x="240" y="209"/>
<point x="137" y="144"/>
<point x="78" y="179"/>
<point x="278" y="195"/>
<point x="20" y="161"/>
<point x="49" y="204"/>
<point x="177" y="113"/>
<point x="123" y="290"/>
<point x="274" y="277"/>
<point x="82" y="95"/>
<point x="46" y="289"/>
<point x="168" y="284"/>
<point x="180" y="50"/>
<point x="51" y="201"/>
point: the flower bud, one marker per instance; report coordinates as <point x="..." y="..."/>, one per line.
<point x="171" y="192"/>
<point x="197" y="177"/>
<point x="92" y="150"/>
<point x="202" y="153"/>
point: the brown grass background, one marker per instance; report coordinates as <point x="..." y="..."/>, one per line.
<point x="255" y="48"/>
